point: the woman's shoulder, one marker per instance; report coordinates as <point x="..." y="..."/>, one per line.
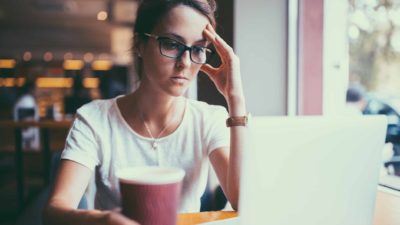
<point x="96" y="109"/>
<point x="200" y="107"/>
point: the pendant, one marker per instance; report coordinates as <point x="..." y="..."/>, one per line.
<point x="154" y="145"/>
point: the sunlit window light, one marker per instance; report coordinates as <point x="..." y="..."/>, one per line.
<point x="354" y="32"/>
<point x="395" y="41"/>
<point x="361" y="20"/>
<point x="381" y="40"/>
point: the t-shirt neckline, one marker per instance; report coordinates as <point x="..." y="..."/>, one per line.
<point x="161" y="139"/>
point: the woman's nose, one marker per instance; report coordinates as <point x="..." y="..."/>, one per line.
<point x="184" y="59"/>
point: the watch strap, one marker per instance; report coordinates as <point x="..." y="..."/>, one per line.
<point x="237" y="121"/>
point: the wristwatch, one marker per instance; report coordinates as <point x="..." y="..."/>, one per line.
<point x="234" y="121"/>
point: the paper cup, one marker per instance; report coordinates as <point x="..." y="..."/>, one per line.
<point x="151" y="195"/>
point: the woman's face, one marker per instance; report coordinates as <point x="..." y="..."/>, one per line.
<point x="169" y="75"/>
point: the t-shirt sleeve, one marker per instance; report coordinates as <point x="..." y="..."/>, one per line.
<point x="81" y="145"/>
<point x="219" y="134"/>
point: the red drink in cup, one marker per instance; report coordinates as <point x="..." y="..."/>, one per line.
<point x="151" y="195"/>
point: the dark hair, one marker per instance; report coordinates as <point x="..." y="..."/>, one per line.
<point x="355" y="93"/>
<point x="150" y="12"/>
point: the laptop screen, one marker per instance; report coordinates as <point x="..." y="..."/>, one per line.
<point x="312" y="170"/>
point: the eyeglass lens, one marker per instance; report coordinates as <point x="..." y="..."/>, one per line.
<point x="174" y="49"/>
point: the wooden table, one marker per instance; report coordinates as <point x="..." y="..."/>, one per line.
<point x="387" y="211"/>
<point x="202" y="217"/>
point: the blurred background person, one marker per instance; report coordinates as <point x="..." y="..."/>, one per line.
<point x="78" y="97"/>
<point x="356" y="101"/>
<point x="26" y="109"/>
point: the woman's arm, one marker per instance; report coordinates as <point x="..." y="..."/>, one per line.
<point x="228" y="167"/>
<point x="228" y="81"/>
<point x="69" y="188"/>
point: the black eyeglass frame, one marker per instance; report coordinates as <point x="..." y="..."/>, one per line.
<point x="185" y="48"/>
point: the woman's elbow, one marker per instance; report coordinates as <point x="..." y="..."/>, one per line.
<point x="50" y="212"/>
<point x="235" y="204"/>
<point x="234" y="199"/>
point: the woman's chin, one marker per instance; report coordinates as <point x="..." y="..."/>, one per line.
<point x="178" y="90"/>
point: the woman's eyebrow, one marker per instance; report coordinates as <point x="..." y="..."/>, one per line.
<point x="181" y="39"/>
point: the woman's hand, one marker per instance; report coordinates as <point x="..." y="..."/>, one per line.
<point x="227" y="76"/>
<point x="115" y="217"/>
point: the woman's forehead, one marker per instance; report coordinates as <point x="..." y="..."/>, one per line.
<point x="184" y="22"/>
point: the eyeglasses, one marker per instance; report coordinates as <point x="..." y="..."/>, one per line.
<point x="175" y="49"/>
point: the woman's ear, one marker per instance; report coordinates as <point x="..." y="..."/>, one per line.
<point x="138" y="46"/>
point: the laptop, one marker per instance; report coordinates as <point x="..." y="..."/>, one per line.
<point x="312" y="170"/>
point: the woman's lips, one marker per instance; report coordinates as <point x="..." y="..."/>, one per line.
<point x="179" y="79"/>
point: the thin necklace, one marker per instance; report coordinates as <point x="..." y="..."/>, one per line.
<point x="154" y="144"/>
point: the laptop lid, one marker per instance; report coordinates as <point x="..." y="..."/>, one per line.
<point x="312" y="170"/>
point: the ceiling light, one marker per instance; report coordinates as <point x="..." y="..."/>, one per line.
<point x="102" y="65"/>
<point x="91" y="82"/>
<point x="73" y="64"/>
<point x="7" y="63"/>
<point x="88" y="57"/>
<point x="7" y="82"/>
<point x="54" y="82"/>
<point x="27" y="56"/>
<point x="102" y="15"/>
<point x="48" y="56"/>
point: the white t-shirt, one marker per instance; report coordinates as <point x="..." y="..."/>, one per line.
<point x="101" y="140"/>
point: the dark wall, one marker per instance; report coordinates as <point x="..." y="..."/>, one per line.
<point x="206" y="89"/>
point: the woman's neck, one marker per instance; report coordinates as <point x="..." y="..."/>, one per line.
<point x="157" y="108"/>
<point x="152" y="115"/>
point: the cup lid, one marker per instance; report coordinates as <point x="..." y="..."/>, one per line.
<point x="150" y="175"/>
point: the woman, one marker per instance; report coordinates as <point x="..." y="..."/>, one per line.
<point x="156" y="125"/>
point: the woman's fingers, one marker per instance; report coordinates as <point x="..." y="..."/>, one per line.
<point x="223" y="49"/>
<point x="219" y="39"/>
<point x="225" y="46"/>
<point x="208" y="69"/>
<point x="209" y="35"/>
<point x="212" y="38"/>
